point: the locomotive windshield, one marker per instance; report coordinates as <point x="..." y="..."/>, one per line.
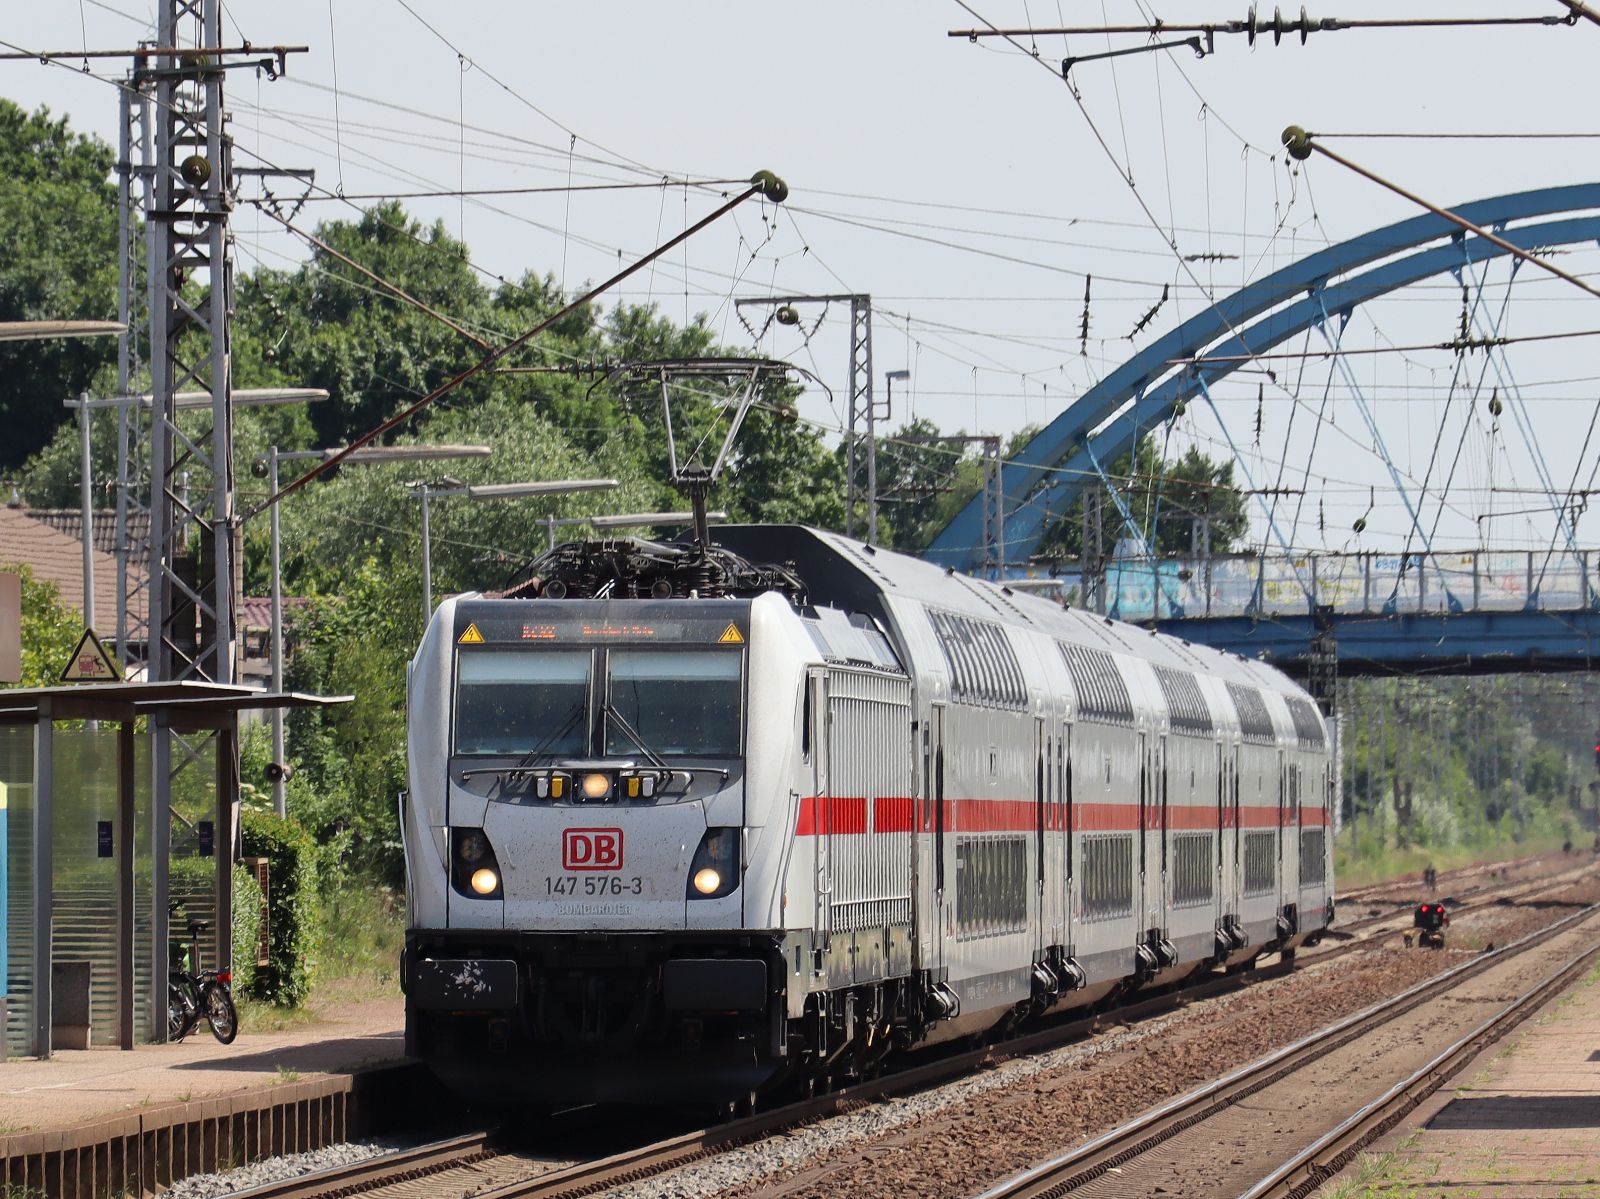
<point x="536" y="703"/>
<point x="522" y="702"/>
<point x="676" y="701"/>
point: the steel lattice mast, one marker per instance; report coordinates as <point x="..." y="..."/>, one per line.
<point x="192" y="532"/>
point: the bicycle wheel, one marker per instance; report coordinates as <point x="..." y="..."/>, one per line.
<point x="182" y="1011"/>
<point x="220" y="1013"/>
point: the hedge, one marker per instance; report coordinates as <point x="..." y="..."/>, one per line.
<point x="296" y="923"/>
<point x="246" y="928"/>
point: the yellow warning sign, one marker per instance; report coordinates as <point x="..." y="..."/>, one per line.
<point x="730" y="636"/>
<point x="470" y="636"/>
<point x="90" y="663"/>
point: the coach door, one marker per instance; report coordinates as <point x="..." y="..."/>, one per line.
<point x="936" y="797"/>
<point x="1146" y="808"/>
<point x="821" y="727"/>
<point x="1164" y="892"/>
<point x="1236" y="835"/>
<point x="1283" y="816"/>
<point x="1064" y="822"/>
<point x="1043" y="810"/>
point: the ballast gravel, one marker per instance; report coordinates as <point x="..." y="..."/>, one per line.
<point x="279" y="1169"/>
<point x="956" y="1139"/>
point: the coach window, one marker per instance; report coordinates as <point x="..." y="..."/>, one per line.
<point x="522" y="701"/>
<point x="676" y="701"/>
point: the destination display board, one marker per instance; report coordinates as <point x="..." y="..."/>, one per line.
<point x="589" y="622"/>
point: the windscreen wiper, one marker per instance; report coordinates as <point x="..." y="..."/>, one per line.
<point x="521" y="768"/>
<point x="656" y="759"/>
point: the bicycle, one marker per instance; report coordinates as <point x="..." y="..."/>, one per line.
<point x="192" y="991"/>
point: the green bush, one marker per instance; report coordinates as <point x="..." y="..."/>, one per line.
<point x="293" y="909"/>
<point x="246" y="928"/>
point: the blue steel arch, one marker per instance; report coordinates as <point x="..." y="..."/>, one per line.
<point x="1049" y="472"/>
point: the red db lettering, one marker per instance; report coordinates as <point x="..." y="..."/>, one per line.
<point x="591" y="849"/>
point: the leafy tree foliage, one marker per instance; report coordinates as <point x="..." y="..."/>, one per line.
<point x="1167" y="499"/>
<point x="50" y="629"/>
<point x="58" y="227"/>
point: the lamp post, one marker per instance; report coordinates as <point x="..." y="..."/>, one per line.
<point x="267" y="465"/>
<point x="485" y="491"/>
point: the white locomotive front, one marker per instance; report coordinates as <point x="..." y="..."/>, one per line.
<point x="681" y="828"/>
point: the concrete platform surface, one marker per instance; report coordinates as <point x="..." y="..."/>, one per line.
<point x="79" y="1086"/>
<point x="1522" y="1122"/>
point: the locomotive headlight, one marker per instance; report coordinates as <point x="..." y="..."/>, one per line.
<point x="485" y="881"/>
<point x="596" y="786"/>
<point x="714" y="871"/>
<point x="474" y="872"/>
<point x="707" y="881"/>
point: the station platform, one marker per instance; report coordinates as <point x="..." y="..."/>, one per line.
<point x="93" y="1121"/>
<point x="1521" y="1121"/>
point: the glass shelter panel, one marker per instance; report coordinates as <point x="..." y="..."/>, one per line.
<point x="16" y="877"/>
<point x="143" y="877"/>
<point x="193" y="858"/>
<point x="83" y="930"/>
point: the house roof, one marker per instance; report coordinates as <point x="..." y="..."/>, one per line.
<point x="255" y="611"/>
<point x="57" y="558"/>
<point x="69" y="523"/>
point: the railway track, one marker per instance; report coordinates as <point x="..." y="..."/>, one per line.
<point x="491" y="1165"/>
<point x="1164" y="1148"/>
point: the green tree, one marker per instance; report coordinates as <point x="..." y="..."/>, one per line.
<point x="1167" y="500"/>
<point x="58" y="227"/>
<point x="50" y="629"/>
<point x="327" y="325"/>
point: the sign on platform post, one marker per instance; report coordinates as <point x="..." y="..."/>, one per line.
<point x="10" y="630"/>
<point x="91" y="662"/>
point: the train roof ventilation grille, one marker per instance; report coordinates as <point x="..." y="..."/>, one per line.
<point x="983" y="667"/>
<point x="1186" y="705"/>
<point x="1102" y="693"/>
<point x="1254" y="722"/>
<point x="1307" y="724"/>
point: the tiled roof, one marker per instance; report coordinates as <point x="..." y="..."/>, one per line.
<point x="255" y="611"/>
<point x="69" y="523"/>
<point x="59" y="559"/>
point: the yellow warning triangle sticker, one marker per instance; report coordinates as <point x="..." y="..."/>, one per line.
<point x="91" y="663"/>
<point x="730" y="636"/>
<point x="470" y="636"/>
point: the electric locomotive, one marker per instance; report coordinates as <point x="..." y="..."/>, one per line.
<point x="681" y="826"/>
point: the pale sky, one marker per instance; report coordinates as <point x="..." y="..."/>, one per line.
<point x="961" y="186"/>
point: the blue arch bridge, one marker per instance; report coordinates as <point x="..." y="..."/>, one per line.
<point x="1412" y="611"/>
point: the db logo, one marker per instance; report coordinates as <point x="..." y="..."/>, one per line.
<point x="591" y="849"/>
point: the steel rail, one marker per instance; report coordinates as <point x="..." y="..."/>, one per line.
<point x="403" y="1165"/>
<point x="1092" y="1159"/>
<point x="1330" y="1153"/>
<point x="657" y="1157"/>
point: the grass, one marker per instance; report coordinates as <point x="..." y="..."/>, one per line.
<point x="1370" y="1176"/>
<point x="363" y="933"/>
<point x="1352" y="871"/>
<point x="286" y="1075"/>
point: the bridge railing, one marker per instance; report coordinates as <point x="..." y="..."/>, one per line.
<point x="1367" y="583"/>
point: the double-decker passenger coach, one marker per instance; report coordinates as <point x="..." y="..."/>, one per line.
<point x="683" y="826"/>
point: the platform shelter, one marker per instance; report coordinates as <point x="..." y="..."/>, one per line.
<point x="114" y="800"/>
